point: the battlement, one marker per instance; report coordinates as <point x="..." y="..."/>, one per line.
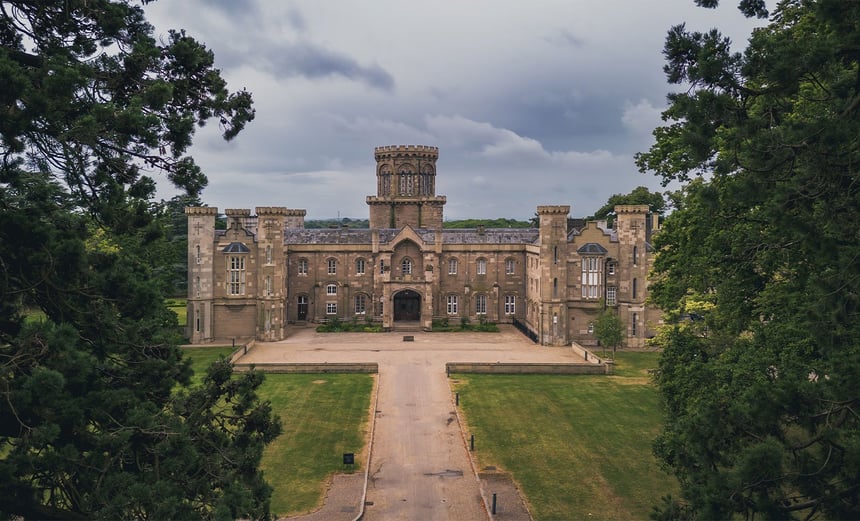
<point x="631" y="208"/>
<point x="201" y="210"/>
<point x="272" y="210"/>
<point x="296" y="213"/>
<point x="237" y="212"/>
<point x="556" y="209"/>
<point x="424" y="151"/>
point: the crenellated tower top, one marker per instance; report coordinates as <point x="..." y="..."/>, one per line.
<point x="406" y="187"/>
<point x="406" y="151"/>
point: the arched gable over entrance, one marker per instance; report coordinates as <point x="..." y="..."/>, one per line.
<point x="407" y="306"/>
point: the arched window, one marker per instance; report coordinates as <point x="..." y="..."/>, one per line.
<point x="452" y="266"/>
<point x="360" y="304"/>
<point x="482" y="266"/>
<point x="331" y="289"/>
<point x="634" y="287"/>
<point x="359" y="266"/>
<point x="509" y="266"/>
<point x="332" y="266"/>
<point x="480" y="304"/>
<point x="406" y="266"/>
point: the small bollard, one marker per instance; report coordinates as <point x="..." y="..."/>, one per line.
<point x="494" y="503"/>
<point x="234" y="342"/>
<point x="456" y="398"/>
<point x="472" y="443"/>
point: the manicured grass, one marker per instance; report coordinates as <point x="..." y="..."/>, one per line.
<point x="177" y="305"/>
<point x="579" y="446"/>
<point x="323" y="416"/>
<point x="202" y="357"/>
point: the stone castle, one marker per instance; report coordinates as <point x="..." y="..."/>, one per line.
<point x="266" y="272"/>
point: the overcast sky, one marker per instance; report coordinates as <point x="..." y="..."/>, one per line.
<point x="530" y="103"/>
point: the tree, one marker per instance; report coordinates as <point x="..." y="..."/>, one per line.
<point x="609" y="329"/>
<point x="95" y="422"/>
<point x="762" y="414"/>
<point x="640" y="195"/>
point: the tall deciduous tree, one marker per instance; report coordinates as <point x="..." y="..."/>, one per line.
<point x="640" y="195"/>
<point x="609" y="329"/>
<point x="762" y="412"/>
<point x="94" y="423"/>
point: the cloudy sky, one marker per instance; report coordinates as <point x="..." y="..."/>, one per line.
<point x="530" y="103"/>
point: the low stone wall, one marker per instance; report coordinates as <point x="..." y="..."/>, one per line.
<point x="589" y="356"/>
<point x="310" y="368"/>
<point x="524" y="368"/>
<point x="242" y="350"/>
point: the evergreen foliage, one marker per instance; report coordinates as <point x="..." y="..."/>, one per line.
<point x="640" y="195"/>
<point x="91" y="423"/>
<point x="762" y="401"/>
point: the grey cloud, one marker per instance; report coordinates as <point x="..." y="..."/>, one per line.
<point x="312" y="61"/>
<point x="566" y="38"/>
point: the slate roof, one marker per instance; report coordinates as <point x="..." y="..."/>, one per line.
<point x="236" y="247"/>
<point x="386" y="235"/>
<point x="592" y="248"/>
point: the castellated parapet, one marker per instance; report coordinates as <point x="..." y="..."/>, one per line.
<point x="391" y="151"/>
<point x="272" y="210"/>
<point x="201" y="210"/>
<point x="631" y="208"/>
<point x="556" y="209"/>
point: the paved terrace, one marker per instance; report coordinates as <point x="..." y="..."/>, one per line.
<point x="419" y="466"/>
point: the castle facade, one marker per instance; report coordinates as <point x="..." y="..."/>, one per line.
<point x="266" y="273"/>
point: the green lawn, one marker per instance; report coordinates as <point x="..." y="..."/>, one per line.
<point x="323" y="416"/>
<point x="579" y="446"/>
<point x="177" y="305"/>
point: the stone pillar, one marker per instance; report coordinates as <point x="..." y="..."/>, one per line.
<point x="201" y="280"/>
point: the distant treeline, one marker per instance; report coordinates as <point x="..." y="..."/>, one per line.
<point x="462" y="223"/>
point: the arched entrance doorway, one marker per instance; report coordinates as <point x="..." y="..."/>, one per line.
<point x="407" y="306"/>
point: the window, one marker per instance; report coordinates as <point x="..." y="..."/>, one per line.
<point x="197" y="286"/>
<point x="406" y="266"/>
<point x="331" y="308"/>
<point x="510" y="304"/>
<point x="591" y="277"/>
<point x="381" y="266"/>
<point x="633" y="326"/>
<point x="555" y="255"/>
<point x="610" y="296"/>
<point x="235" y="275"/>
<point x="331" y="289"/>
<point x="554" y="288"/>
<point x="452" y="304"/>
<point x="303" y="267"/>
<point x="268" y="288"/>
<point x="509" y="266"/>
<point x="360" y="304"/>
<point x="332" y="267"/>
<point x="635" y="255"/>
<point x="197" y="320"/>
<point x="634" y="287"/>
<point x="480" y="304"/>
<point x="611" y="268"/>
<point x="359" y="266"/>
<point x="591" y="328"/>
<point x="267" y="326"/>
<point x="482" y="266"/>
<point x="452" y="266"/>
<point x="199" y="259"/>
<point x="268" y="254"/>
